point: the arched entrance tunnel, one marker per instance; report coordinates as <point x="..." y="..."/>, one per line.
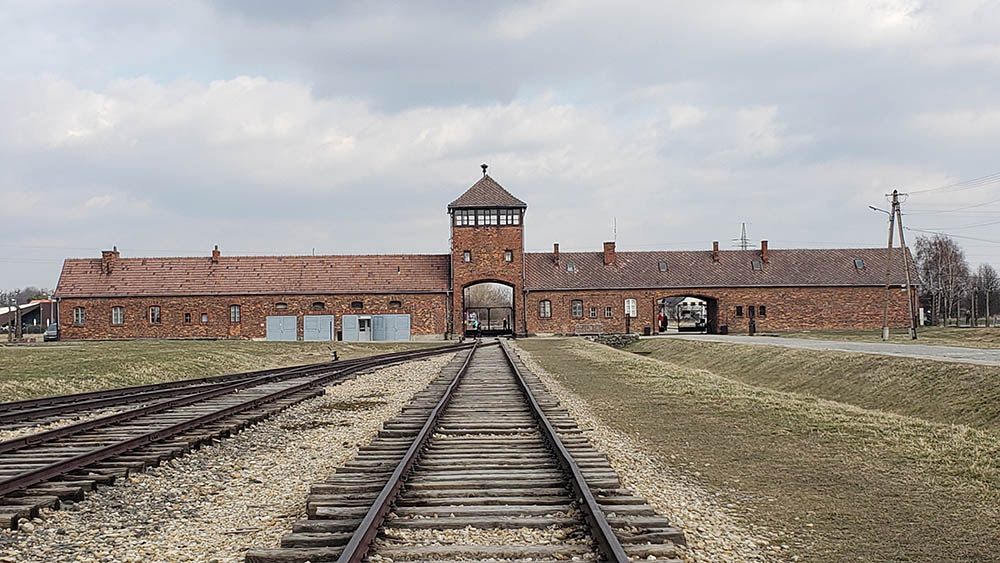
<point x="488" y="306"/>
<point x="687" y="313"/>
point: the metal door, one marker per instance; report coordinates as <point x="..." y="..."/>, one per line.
<point x="349" y="328"/>
<point x="317" y="328"/>
<point x="398" y="328"/>
<point x="282" y="328"/>
<point x="379" y="328"/>
<point x="365" y="329"/>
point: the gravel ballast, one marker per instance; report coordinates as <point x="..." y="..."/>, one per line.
<point x="712" y="532"/>
<point x="243" y="492"/>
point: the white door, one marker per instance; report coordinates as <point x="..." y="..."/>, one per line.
<point x="365" y="330"/>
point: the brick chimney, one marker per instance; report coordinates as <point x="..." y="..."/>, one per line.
<point x="555" y="252"/>
<point x="715" y="251"/>
<point x="763" y="251"/>
<point x="609" y="253"/>
<point x="108" y="260"/>
<point x="216" y="254"/>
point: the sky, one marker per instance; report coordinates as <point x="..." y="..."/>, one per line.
<point x="346" y="128"/>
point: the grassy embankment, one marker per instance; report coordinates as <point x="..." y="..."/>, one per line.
<point x="939" y="336"/>
<point x="57" y="369"/>
<point x="818" y="455"/>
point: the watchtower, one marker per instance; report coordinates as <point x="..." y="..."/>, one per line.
<point x="487" y="256"/>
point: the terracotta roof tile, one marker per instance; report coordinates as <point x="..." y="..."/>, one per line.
<point x="687" y="269"/>
<point x="487" y="193"/>
<point x="246" y="275"/>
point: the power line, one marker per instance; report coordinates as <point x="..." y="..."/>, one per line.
<point x="964" y="185"/>
<point x="942" y="233"/>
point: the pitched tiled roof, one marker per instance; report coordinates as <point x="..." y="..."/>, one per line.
<point x="691" y="269"/>
<point x="243" y="275"/>
<point x="486" y="193"/>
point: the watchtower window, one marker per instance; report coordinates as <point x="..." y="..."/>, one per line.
<point x="464" y="217"/>
<point x="510" y="216"/>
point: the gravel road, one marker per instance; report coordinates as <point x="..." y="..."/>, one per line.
<point x="244" y="492"/>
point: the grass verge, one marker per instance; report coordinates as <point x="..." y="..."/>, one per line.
<point x="981" y="337"/>
<point x="845" y="483"/>
<point x="946" y="392"/>
<point x="57" y="369"/>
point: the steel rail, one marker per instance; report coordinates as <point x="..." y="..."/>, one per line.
<point x="115" y="397"/>
<point x="361" y="539"/>
<point x="600" y="529"/>
<point x="44" y="473"/>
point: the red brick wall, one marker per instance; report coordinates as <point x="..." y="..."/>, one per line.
<point x="427" y="314"/>
<point x="487" y="245"/>
<point x="794" y="308"/>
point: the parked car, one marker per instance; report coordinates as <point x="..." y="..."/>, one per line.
<point x="51" y="333"/>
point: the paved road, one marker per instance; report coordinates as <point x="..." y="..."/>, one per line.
<point x="920" y="351"/>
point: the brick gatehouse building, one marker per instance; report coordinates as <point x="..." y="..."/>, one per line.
<point x="423" y="296"/>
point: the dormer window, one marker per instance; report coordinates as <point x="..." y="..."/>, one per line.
<point x="571" y="267"/>
<point x="756" y="265"/>
<point x="663" y="266"/>
<point x="859" y="263"/>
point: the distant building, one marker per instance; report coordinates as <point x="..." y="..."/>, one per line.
<point x="404" y="296"/>
<point x="40" y="312"/>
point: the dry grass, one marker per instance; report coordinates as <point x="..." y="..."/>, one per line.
<point x="845" y="482"/>
<point x="939" y="336"/>
<point x="62" y="368"/>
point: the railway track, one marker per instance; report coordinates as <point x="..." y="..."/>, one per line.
<point x="40" y="470"/>
<point x="43" y="410"/>
<point x="483" y="465"/>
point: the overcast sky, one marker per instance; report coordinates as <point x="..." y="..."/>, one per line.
<point x="278" y="127"/>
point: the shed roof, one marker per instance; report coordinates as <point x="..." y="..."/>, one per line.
<point x="486" y="193"/>
<point x="694" y="269"/>
<point x="254" y="275"/>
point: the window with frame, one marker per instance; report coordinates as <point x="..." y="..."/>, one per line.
<point x="204" y="318"/>
<point x="187" y="318"/>
<point x="571" y="267"/>
<point x="756" y="265"/>
<point x="464" y="217"/>
<point x="357" y="304"/>
<point x="510" y="216"/>
<point x="508" y="255"/>
<point x="859" y="263"/>
<point x="545" y="309"/>
<point x="761" y="311"/>
<point x="234" y="314"/>
<point x="281" y="305"/>
<point x="79" y="316"/>
<point x="118" y="315"/>
<point x="630" y="308"/>
<point x="576" y="309"/>
<point x="318" y="306"/>
<point x="739" y="310"/>
<point x="593" y="312"/>
<point x="154" y="315"/>
<point x="466" y="256"/>
<point x="608" y="312"/>
<point x="396" y="304"/>
<point x="752" y="312"/>
<point x="663" y="266"/>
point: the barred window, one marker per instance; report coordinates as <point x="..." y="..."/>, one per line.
<point x="117" y="315"/>
<point x="79" y="315"/>
<point x="234" y="314"/>
<point x="576" y="308"/>
<point x="187" y="318"/>
<point x="545" y="309"/>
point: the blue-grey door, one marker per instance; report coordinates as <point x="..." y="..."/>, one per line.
<point x="349" y="328"/>
<point x="392" y="328"/>
<point x="317" y="328"/>
<point x="282" y="328"/>
<point x="378" y="327"/>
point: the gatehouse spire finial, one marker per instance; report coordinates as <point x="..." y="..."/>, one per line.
<point x="484" y="166"/>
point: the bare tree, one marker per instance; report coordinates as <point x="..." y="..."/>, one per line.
<point x="987" y="283"/>
<point x="945" y="276"/>
<point x="489" y="295"/>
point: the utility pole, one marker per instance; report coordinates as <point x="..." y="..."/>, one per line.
<point x="744" y="242"/>
<point x="896" y="218"/>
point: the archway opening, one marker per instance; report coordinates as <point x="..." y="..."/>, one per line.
<point x="687" y="313"/>
<point x="488" y="309"/>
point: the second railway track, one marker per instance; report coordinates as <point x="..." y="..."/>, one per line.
<point x="483" y="465"/>
<point x="39" y="470"/>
